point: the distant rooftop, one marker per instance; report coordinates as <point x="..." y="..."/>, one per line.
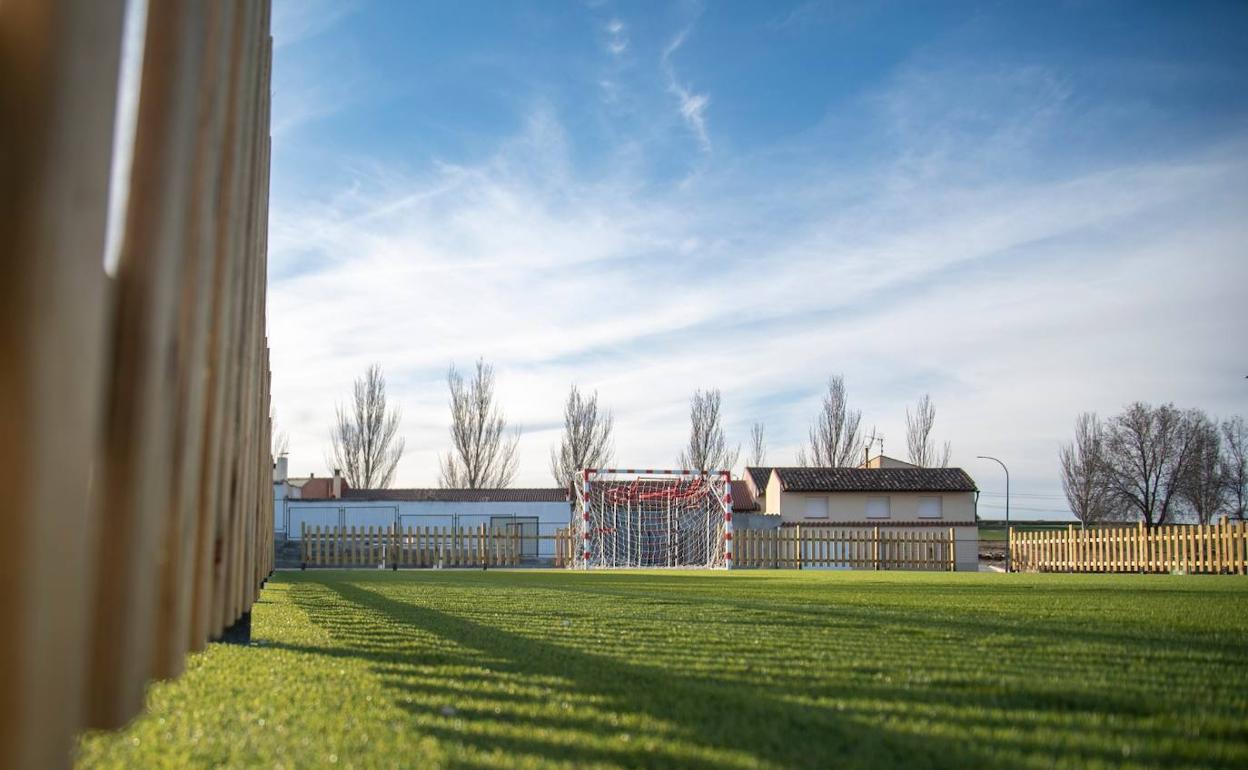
<point x="532" y="495"/>
<point x="760" y="476"/>
<point x="875" y="480"/>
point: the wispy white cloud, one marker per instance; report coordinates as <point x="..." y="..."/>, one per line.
<point x="692" y="104"/>
<point x="938" y="265"/>
<point x="617" y="37"/>
<point x="815" y="13"/>
<point x="307" y="85"/>
<point x="295" y="21"/>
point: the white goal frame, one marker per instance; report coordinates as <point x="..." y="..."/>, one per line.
<point x="689" y="511"/>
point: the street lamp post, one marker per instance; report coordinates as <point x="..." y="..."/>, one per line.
<point x="1007" y="504"/>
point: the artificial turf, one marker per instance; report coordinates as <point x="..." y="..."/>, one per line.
<point x="700" y="670"/>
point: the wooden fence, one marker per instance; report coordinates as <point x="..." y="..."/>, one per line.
<point x="1204" y="548"/>
<point x="801" y="547"/>
<point x="565" y="547"/>
<point x="410" y="547"/>
<point x="134" y="397"/>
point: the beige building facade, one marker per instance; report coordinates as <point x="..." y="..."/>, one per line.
<point x="886" y="494"/>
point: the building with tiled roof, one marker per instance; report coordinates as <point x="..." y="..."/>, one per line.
<point x="882" y="493"/>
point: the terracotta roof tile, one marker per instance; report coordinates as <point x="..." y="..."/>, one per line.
<point x="742" y="500"/>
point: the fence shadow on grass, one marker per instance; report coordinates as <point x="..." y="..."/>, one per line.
<point x="703" y="722"/>
<point x="470" y="681"/>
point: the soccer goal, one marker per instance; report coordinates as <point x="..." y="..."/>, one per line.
<point x="649" y="518"/>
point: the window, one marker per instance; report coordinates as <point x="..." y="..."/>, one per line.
<point x="816" y="507"/>
<point x="877" y="507"/>
<point x="929" y="508"/>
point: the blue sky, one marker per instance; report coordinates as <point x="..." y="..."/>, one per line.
<point x="1026" y="210"/>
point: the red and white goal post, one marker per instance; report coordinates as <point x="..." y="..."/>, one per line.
<point x="653" y="518"/>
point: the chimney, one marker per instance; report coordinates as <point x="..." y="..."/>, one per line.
<point x="337" y="489"/>
<point x="866" y="457"/>
<point x="279" y="470"/>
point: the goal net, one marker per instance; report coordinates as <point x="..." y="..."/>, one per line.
<point x="630" y="518"/>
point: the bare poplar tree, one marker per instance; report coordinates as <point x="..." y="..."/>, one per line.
<point x="280" y="438"/>
<point x="1235" y="450"/>
<point x="586" y="441"/>
<point x="708" y="450"/>
<point x="919" y="441"/>
<point x="1147" y="454"/>
<point x="482" y="455"/>
<point x="1204" y="486"/>
<point x="758" y="445"/>
<point x="365" y="439"/>
<point x="1083" y="471"/>
<point x="835" y="438"/>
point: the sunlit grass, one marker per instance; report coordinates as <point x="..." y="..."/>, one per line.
<point x="740" y="670"/>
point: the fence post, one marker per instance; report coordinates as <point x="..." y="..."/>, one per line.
<point x="1237" y="544"/>
<point x="797" y="539"/>
<point x="1225" y="546"/>
<point x="1068" y="553"/>
<point x="875" y="548"/>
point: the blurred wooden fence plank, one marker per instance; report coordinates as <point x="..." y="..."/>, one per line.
<point x="136" y="409"/>
<point x="138" y="470"/>
<point x="59" y="64"/>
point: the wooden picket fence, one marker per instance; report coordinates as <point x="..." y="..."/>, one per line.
<point x="1204" y="548"/>
<point x="799" y="547"/>
<point x="410" y="547"/>
<point x="565" y="547"/>
<point x="134" y="401"/>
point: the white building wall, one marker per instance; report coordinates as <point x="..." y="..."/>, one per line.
<point x="386" y="513"/>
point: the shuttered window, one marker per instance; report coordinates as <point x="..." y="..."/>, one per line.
<point x="877" y="508"/>
<point x="929" y="508"/>
<point x="816" y="507"/>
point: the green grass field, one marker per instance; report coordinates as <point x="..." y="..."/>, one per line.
<point x="702" y="670"/>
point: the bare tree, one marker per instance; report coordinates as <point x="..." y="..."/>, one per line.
<point x="835" y="439"/>
<point x="1083" y="471"/>
<point x="482" y="454"/>
<point x="1204" y="486"/>
<point x="586" y="441"/>
<point x="758" y="444"/>
<point x="1147" y="454"/>
<point x="365" y="439"/>
<point x="280" y="439"/>
<point x="708" y="451"/>
<point x="1235" y="450"/>
<point x="919" y="441"/>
